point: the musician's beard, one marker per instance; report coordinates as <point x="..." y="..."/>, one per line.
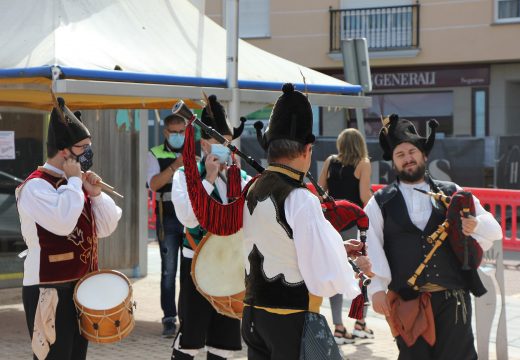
<point x="411" y="177"/>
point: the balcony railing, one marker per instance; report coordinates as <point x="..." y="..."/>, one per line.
<point x="385" y="28"/>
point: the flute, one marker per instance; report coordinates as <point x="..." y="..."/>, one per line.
<point x="109" y="189"/>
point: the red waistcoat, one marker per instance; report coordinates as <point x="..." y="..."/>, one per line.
<point x="67" y="258"/>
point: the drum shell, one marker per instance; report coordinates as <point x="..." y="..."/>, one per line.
<point x="113" y="324"/>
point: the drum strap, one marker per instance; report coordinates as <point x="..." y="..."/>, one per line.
<point x="191" y="241"/>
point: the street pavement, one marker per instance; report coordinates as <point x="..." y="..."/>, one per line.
<point x="146" y="342"/>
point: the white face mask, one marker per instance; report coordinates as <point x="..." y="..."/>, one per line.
<point x="176" y="140"/>
<point x="222" y="152"/>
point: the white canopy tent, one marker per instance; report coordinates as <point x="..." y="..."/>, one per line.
<point x="167" y="49"/>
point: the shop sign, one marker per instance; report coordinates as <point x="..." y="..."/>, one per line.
<point x="428" y="78"/>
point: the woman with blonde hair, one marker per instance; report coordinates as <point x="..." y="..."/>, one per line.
<point x="346" y="175"/>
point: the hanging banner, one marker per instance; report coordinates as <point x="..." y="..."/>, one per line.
<point x="460" y="160"/>
<point x="508" y="176"/>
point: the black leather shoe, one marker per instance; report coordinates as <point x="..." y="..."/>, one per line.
<point x="169" y="328"/>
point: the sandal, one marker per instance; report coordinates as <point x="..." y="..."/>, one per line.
<point x="362" y="331"/>
<point x="343" y="337"/>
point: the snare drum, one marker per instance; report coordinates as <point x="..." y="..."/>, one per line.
<point x="218" y="272"/>
<point x="103" y="299"/>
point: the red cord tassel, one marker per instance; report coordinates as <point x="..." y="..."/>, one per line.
<point x="213" y="216"/>
<point x="234" y="187"/>
<point x="357" y="307"/>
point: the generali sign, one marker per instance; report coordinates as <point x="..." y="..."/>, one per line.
<point x="398" y="79"/>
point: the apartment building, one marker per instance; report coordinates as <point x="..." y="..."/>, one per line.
<point x="454" y="60"/>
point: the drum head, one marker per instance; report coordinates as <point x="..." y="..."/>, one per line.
<point x="102" y="291"/>
<point x="219" y="265"/>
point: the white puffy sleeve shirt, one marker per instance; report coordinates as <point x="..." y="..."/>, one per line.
<point x="322" y="258"/>
<point x="58" y="210"/>
<point x="419" y="209"/>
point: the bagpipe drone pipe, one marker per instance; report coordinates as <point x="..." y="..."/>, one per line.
<point x="466" y="249"/>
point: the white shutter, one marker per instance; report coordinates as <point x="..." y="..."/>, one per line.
<point x="253" y="19"/>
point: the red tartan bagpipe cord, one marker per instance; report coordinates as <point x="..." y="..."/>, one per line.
<point x="213" y="216"/>
<point x="343" y="215"/>
<point x="462" y="203"/>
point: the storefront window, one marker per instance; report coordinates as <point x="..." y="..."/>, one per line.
<point x="416" y="107"/>
<point x="21" y="151"/>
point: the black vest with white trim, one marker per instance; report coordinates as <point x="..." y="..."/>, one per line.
<point x="406" y="246"/>
<point x="285" y="289"/>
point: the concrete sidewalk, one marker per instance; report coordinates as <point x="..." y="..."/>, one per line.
<point x="145" y="341"/>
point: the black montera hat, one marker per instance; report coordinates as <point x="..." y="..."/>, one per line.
<point x="214" y="115"/>
<point x="65" y="131"/>
<point x="291" y="119"/>
<point x="396" y="131"/>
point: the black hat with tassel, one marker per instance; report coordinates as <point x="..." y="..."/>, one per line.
<point x="291" y="119"/>
<point x="396" y="131"/>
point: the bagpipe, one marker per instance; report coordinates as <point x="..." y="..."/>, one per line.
<point x="343" y="215"/>
<point x="227" y="219"/>
<point x="466" y="249"/>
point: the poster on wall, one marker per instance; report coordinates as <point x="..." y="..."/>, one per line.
<point x="7" y="145"/>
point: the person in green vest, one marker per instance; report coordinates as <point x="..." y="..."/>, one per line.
<point x="200" y="324"/>
<point x="163" y="161"/>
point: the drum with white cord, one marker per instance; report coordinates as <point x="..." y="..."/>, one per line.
<point x="105" y="307"/>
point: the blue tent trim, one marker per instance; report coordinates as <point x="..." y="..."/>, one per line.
<point x="40" y="71"/>
<point x="126" y="76"/>
<point x="276" y="86"/>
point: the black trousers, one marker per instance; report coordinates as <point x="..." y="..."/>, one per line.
<point x="200" y="323"/>
<point x="454" y="338"/>
<point x="271" y="336"/>
<point x="69" y="344"/>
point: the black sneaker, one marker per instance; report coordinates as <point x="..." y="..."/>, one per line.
<point x="169" y="327"/>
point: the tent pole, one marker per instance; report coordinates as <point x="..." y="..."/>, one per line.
<point x="232" y="59"/>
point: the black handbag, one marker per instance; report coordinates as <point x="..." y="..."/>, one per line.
<point x="317" y="340"/>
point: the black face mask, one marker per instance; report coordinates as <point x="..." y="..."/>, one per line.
<point x="85" y="159"/>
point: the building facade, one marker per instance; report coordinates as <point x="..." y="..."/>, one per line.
<point x="457" y="61"/>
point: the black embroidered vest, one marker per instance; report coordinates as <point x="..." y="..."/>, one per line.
<point x="405" y="245"/>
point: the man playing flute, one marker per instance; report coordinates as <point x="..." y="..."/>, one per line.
<point x="62" y="212"/>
